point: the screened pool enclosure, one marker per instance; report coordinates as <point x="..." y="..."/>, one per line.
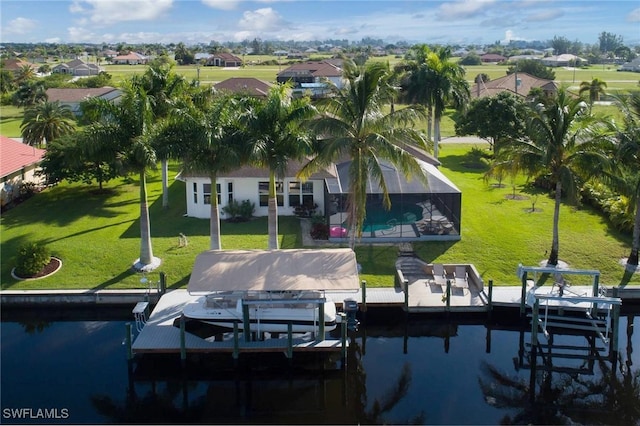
<point x="417" y="212"/>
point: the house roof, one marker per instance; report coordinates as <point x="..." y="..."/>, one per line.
<point x="227" y="57"/>
<point x="15" y="155"/>
<point x="77" y="94"/>
<point x="492" y="57"/>
<point x="263" y="270"/>
<point x="508" y="83"/>
<point x="314" y="68"/>
<point x="250" y="85"/>
<point x="293" y="167"/>
<point x="130" y="56"/>
<point x="15" y="64"/>
<point x="76" y="63"/>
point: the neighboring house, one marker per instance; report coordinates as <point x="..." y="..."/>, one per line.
<point x="18" y="163"/>
<point x="564" y="60"/>
<point x="251" y="183"/>
<point x="492" y="58"/>
<point x="72" y="97"/>
<point x="518" y="83"/>
<point x="131" y="58"/>
<point x="631" y="66"/>
<point x="77" y="68"/>
<point x="15" y="65"/>
<point x="310" y="77"/>
<point x="224" y="60"/>
<point x="244" y="85"/>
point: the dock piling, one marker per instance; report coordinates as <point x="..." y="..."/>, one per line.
<point x="343" y="339"/>
<point x="289" y="340"/>
<point x="128" y="341"/>
<point x="490" y="301"/>
<point x="183" y="346"/>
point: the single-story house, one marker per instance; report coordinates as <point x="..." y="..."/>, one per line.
<point x="310" y="77"/>
<point x="74" y="96"/>
<point x="224" y="60"/>
<point x="18" y="164"/>
<point x="631" y="66"/>
<point x="518" y="83"/>
<point x="418" y="212"/>
<point x="244" y="85"/>
<point x="131" y="58"/>
<point x="77" y="68"/>
<point x="564" y="60"/>
<point x="492" y="58"/>
<point x="15" y="65"/>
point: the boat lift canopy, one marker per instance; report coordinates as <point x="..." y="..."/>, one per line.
<point x="274" y="270"/>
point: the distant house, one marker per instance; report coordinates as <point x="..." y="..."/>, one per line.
<point x="15" y="65"/>
<point x="311" y="77"/>
<point x="72" y="97"/>
<point x="564" y="60"/>
<point x="520" y="84"/>
<point x="631" y="66"/>
<point x="131" y="58"/>
<point x="224" y="60"/>
<point x="492" y="58"/>
<point x="18" y="164"/>
<point x="77" y="68"/>
<point x="244" y="85"/>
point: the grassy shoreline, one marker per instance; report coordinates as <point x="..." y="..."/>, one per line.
<point x="97" y="234"/>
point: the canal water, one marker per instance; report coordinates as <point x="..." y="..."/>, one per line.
<point x="71" y="368"/>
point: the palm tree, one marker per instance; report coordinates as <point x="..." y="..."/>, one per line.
<point x="29" y="93"/>
<point x="561" y="146"/>
<point x="594" y="88"/>
<point x="352" y="124"/>
<point x="125" y="128"/>
<point x="627" y="179"/>
<point x="276" y="136"/>
<point x="46" y="121"/>
<point x="207" y="139"/>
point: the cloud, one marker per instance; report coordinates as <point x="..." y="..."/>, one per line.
<point x="221" y="4"/>
<point x="547" y="15"/>
<point x="20" y="26"/>
<point x="113" y="11"/>
<point x="634" y="15"/>
<point x="463" y="9"/>
<point x="265" y="19"/>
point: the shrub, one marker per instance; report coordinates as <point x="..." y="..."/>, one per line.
<point x="32" y="258"/>
<point x="239" y="212"/>
<point x="319" y="231"/>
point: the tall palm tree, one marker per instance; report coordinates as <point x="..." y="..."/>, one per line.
<point x="594" y="88"/>
<point x="46" y="121"/>
<point x="415" y="80"/>
<point x="627" y="179"/>
<point x="276" y="136"/>
<point x="126" y="128"/>
<point x="29" y="93"/>
<point x="353" y="124"/>
<point x="561" y="146"/>
<point x="208" y="139"/>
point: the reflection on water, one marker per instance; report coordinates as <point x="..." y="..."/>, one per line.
<point x="424" y="371"/>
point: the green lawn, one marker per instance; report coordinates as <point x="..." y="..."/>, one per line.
<point x="97" y="235"/>
<point x="10" y="121"/>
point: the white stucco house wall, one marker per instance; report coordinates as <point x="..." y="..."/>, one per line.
<point x="250" y="183"/>
<point x="18" y="163"/>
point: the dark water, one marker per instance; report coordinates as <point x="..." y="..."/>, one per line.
<point x="425" y="371"/>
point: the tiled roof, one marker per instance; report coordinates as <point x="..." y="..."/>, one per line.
<point x="508" y="82"/>
<point x="15" y="155"/>
<point x="227" y="57"/>
<point x="250" y="85"/>
<point x="77" y="94"/>
<point x="317" y="69"/>
<point x="293" y="167"/>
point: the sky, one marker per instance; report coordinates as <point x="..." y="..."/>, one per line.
<point x="201" y="21"/>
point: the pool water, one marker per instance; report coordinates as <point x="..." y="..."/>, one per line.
<point x="424" y="371"/>
<point x="378" y="219"/>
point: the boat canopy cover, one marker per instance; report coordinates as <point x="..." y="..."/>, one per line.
<point x="273" y="270"/>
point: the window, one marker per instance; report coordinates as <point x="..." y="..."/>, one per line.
<point x="206" y="189"/>
<point x="301" y="194"/>
<point x="263" y="192"/>
<point x="229" y="192"/>
<point x="195" y="193"/>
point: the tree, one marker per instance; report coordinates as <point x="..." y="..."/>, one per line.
<point x="497" y="118"/>
<point x="532" y="67"/>
<point x="559" y="145"/>
<point x="29" y="93"/>
<point x="276" y="137"/>
<point x="25" y="73"/>
<point x="560" y="45"/>
<point x="594" y="88"/>
<point x="7" y="81"/>
<point x="352" y="124"/>
<point x="471" y="59"/>
<point x="46" y="121"/>
<point x="609" y="42"/>
<point x="124" y="128"/>
<point x="183" y="55"/>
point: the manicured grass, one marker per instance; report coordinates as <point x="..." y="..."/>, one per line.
<point x="97" y="235"/>
<point x="10" y="121"/>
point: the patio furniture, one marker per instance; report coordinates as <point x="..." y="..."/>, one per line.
<point x="337" y="232"/>
<point x="391" y="227"/>
<point x="461" y="278"/>
<point x="439" y="275"/>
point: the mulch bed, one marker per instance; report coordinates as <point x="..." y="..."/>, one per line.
<point x="50" y="268"/>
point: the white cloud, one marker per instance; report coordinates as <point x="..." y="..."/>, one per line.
<point x="265" y="19"/>
<point x="634" y="15"/>
<point x="221" y="4"/>
<point x="545" y="16"/>
<point x="463" y="9"/>
<point x="109" y="12"/>
<point x="20" y="26"/>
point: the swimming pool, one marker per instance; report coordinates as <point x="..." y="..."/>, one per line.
<point x="380" y="219"/>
